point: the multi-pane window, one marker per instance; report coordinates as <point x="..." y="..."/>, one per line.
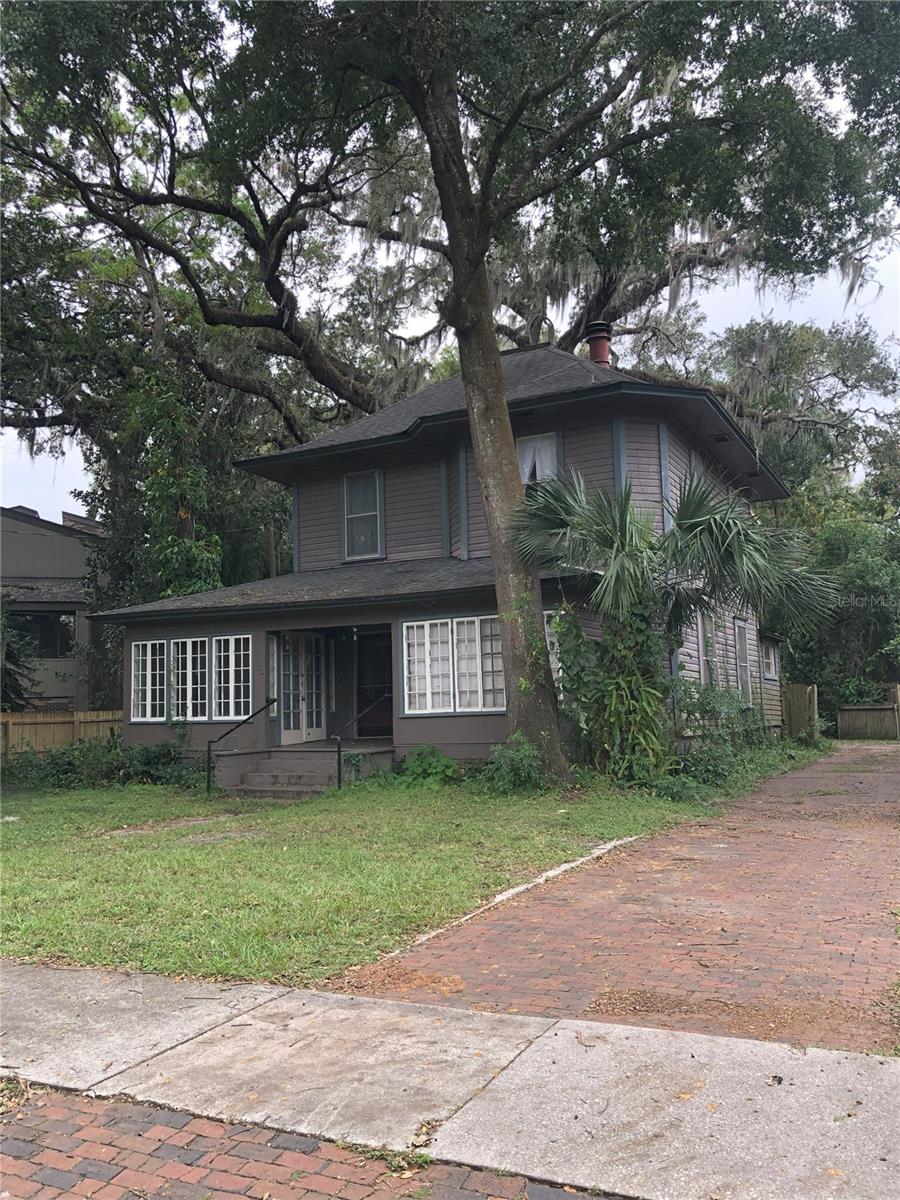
<point x="148" y="681"/>
<point x="479" y="664"/>
<point x="742" y="651"/>
<point x="231" y="677"/>
<point x="52" y="635"/>
<point x="537" y="457"/>
<point x="362" y="515"/>
<point x="189" y="679"/>
<point x="707" y="634"/>
<point x="493" y="692"/>
<point x="428" y="666"/>
<point x="770" y="660"/>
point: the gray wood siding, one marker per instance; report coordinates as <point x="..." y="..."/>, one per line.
<point x="320" y="523"/>
<point x="642" y="458"/>
<point x="478" y="535"/>
<point x="412" y="511"/>
<point x="453" y="498"/>
<point x="587" y="447"/>
<point x="679" y="462"/>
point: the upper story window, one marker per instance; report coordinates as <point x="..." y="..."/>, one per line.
<point x="52" y="635"/>
<point x="537" y="457"/>
<point x="707" y="637"/>
<point x="363" y="515"/>
<point x="770" y="660"/>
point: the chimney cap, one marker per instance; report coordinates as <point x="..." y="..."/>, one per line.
<point x="598" y="335"/>
<point x="603" y="328"/>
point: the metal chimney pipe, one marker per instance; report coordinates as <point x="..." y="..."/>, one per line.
<point x="599" y="335"/>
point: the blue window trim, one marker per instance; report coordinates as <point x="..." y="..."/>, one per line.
<point x="379" y="493"/>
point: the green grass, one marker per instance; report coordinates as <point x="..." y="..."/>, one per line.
<point x="290" y="894"/>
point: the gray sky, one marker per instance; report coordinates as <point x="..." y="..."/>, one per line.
<point x="46" y="483"/>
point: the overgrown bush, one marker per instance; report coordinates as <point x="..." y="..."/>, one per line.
<point x="98" y="763"/>
<point x="514" y="766"/>
<point x="718" y="728"/>
<point x="427" y="764"/>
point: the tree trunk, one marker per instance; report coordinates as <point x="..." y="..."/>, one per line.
<point x="530" y="691"/>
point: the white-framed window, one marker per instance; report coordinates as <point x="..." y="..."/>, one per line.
<point x="363" y="515"/>
<point x="537" y="457"/>
<point x="232" y="664"/>
<point x="706" y="633"/>
<point x="188" y="664"/>
<point x="771" y="665"/>
<point x="272" y="692"/>
<point x="480" y="685"/>
<point x="148" y="681"/>
<point x="428" y="666"/>
<point x="742" y="655"/>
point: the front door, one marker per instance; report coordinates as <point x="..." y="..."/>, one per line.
<point x="373" y="684"/>
<point x="302" y="688"/>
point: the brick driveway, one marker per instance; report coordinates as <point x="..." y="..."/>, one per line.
<point x="63" y="1144"/>
<point x="773" y="921"/>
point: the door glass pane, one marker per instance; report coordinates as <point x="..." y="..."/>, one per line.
<point x="291" y="682"/>
<point x="314" y="698"/>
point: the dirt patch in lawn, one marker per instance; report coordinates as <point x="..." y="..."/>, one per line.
<point x="163" y="826"/>
<point x="390" y="975"/>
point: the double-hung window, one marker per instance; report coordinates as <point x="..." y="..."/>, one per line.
<point x="770" y="660"/>
<point x="231" y="677"/>
<point x="148" y="681"/>
<point x="537" y="457"/>
<point x="428" y="666"/>
<point x="742" y="653"/>
<point x="363" y="521"/>
<point x="189" y="679"/>
<point x="479" y="664"/>
<point x="707" y="635"/>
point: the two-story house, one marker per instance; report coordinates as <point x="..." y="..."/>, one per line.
<point x="387" y="630"/>
<point x="43" y="595"/>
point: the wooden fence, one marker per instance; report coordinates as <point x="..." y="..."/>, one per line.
<point x="880" y="722"/>
<point x="801" y="709"/>
<point x="44" y="730"/>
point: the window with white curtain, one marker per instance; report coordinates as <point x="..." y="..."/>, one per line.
<point x="148" y="681"/>
<point x="537" y="457"/>
<point x="231" y="677"/>
<point x="742" y="652"/>
<point x="362" y="515"/>
<point x="189" y="679"/>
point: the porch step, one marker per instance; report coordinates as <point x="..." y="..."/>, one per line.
<point x="292" y="779"/>
<point x="276" y="793"/>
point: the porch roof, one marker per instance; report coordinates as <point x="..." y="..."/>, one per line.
<point x="357" y="583"/>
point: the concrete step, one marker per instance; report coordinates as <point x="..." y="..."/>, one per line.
<point x="288" y="778"/>
<point x="276" y="793"/>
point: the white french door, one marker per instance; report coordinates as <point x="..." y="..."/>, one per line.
<point x="302" y="687"/>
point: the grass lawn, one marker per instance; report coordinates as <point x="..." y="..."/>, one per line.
<point x="283" y="893"/>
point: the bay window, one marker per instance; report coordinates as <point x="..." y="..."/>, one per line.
<point x="148" y="681"/>
<point x="231" y="677"/>
<point x="189" y="679"/>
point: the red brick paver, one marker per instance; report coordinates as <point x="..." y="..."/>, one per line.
<point x="184" y="1162"/>
<point x="773" y="921"/>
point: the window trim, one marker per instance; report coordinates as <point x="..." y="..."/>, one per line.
<point x="764" y="645"/>
<point x="458" y="709"/>
<point x="148" y="720"/>
<point x="346" y="516"/>
<point x="231" y="715"/>
<point x="744" y="625"/>
<point x="170" y="676"/>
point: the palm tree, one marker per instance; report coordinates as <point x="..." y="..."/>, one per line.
<point x="714" y="554"/>
<point x="648" y="585"/>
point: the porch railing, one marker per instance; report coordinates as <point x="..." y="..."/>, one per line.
<point x="336" y="737"/>
<point x="212" y="741"/>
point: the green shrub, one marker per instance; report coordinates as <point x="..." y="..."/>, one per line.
<point x="427" y="764"/>
<point x="97" y="763"/>
<point x="514" y="766"/>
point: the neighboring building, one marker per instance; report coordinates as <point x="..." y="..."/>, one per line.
<point x="392" y="591"/>
<point x="44" y="563"/>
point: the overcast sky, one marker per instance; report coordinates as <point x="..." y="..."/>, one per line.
<point x="46" y="483"/>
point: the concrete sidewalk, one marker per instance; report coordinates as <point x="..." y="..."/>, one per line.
<point x="636" y="1112"/>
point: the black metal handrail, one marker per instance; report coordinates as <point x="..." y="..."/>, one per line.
<point x="336" y="737"/>
<point x="212" y="741"/>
